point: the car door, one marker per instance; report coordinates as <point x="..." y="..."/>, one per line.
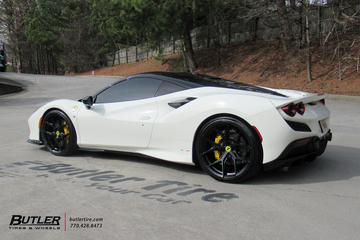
<point x="121" y="117"/>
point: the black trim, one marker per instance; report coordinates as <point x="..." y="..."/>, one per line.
<point x="177" y="104"/>
<point x="297" y="126"/>
<point x="36" y="142"/>
<point x="201" y="80"/>
<point x="298" y="150"/>
<point x="189" y="81"/>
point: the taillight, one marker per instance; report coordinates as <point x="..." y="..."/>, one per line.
<point x="300" y="108"/>
<point x="322" y="101"/>
<point x="291" y="109"/>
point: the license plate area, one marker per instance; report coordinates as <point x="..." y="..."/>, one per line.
<point x="323" y="125"/>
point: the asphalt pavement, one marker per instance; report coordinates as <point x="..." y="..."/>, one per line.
<point x="94" y="195"/>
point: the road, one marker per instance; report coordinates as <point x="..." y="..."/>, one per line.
<point x="113" y="196"/>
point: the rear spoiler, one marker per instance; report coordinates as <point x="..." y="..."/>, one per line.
<point x="305" y="98"/>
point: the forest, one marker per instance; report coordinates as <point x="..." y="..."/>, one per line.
<point x="72" y="36"/>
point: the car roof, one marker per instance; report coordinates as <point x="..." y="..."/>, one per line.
<point x="195" y="80"/>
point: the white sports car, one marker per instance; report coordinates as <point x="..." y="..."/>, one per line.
<point x="231" y="129"/>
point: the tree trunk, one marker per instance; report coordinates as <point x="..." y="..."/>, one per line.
<point x="37" y="60"/>
<point x="287" y="36"/>
<point x="187" y="25"/>
<point x="19" y="61"/>
<point x="189" y="51"/>
<point x="338" y="53"/>
<point x="308" y="51"/>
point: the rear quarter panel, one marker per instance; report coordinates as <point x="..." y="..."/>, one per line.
<point x="175" y="129"/>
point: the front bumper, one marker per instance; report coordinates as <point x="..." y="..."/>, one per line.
<point x="299" y="149"/>
<point x="36" y="142"/>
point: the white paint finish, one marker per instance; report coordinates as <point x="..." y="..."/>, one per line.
<point x="152" y="127"/>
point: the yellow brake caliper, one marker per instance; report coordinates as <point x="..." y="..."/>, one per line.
<point x="217" y="141"/>
<point x="66" y="131"/>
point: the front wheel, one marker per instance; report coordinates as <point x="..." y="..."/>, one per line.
<point x="58" y="133"/>
<point x="228" y="149"/>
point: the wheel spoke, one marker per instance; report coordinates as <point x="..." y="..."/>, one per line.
<point x="49" y="124"/>
<point x="224" y="172"/>
<point x="49" y="133"/>
<point x="214" y="148"/>
<point x="63" y="125"/>
<point x="212" y="164"/>
<point x="235" y="167"/>
<point x="52" y="121"/>
<point x="221" y="160"/>
<point x="206" y="152"/>
<point x="223" y="165"/>
<point x="65" y="135"/>
<point x="62" y="143"/>
<point x="210" y="141"/>
<point x="236" y="157"/>
<point x="217" y="131"/>
<point x="226" y="135"/>
<point x="57" y="145"/>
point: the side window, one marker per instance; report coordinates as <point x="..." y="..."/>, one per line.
<point x="167" y="88"/>
<point x="130" y="89"/>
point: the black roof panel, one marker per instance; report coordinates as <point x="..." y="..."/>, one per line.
<point x="189" y="80"/>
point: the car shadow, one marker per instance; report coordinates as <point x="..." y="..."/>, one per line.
<point x="338" y="163"/>
<point x="142" y="159"/>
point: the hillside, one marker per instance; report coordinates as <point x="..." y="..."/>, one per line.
<point x="265" y="64"/>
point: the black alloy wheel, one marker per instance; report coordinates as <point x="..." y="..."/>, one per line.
<point x="228" y="149"/>
<point x="58" y="133"/>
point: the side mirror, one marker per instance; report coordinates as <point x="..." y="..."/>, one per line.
<point x="88" y="101"/>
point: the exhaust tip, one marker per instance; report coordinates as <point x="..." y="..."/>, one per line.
<point x="315" y="144"/>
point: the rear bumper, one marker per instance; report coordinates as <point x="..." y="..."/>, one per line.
<point x="297" y="150"/>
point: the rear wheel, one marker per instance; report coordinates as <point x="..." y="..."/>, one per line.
<point x="58" y="133"/>
<point x="228" y="150"/>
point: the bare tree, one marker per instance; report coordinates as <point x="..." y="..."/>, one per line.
<point x="11" y="16"/>
<point x="345" y="30"/>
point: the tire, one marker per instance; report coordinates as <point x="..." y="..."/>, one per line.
<point x="228" y="149"/>
<point x="58" y="133"/>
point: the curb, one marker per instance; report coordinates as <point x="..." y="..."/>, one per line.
<point x="343" y="97"/>
<point x="9" y="86"/>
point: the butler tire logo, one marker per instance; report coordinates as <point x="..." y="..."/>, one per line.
<point x="20" y="222"/>
<point x="165" y="191"/>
